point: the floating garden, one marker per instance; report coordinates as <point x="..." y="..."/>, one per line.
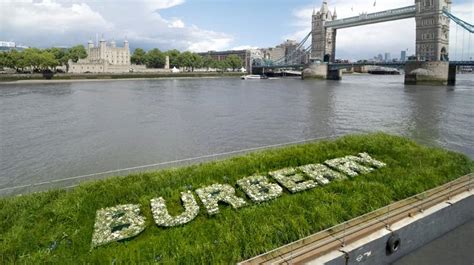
<point x="223" y="211"/>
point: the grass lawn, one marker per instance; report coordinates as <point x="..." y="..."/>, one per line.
<point x="57" y="226"/>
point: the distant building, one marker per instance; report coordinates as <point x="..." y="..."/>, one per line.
<point x="387" y="57"/>
<point x="403" y="56"/>
<point x="273" y="53"/>
<point x="288" y="50"/>
<point x="10" y="45"/>
<point x="106" y="58"/>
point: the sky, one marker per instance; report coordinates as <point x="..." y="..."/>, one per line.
<point x="202" y="25"/>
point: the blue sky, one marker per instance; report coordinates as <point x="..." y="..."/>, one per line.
<point x="201" y="25"/>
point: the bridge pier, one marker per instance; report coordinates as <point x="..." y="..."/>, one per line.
<point x="321" y="71"/>
<point x="428" y="73"/>
<point x="315" y="71"/>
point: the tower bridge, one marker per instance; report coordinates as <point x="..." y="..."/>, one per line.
<point x="432" y="18"/>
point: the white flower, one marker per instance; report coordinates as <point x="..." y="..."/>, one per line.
<point x="117" y="223"/>
<point x="292" y="180"/>
<point x="259" y="189"/>
<point x="321" y="173"/>
<point x="163" y="218"/>
<point x="212" y="195"/>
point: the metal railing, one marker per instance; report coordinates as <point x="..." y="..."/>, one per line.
<point x="347" y="232"/>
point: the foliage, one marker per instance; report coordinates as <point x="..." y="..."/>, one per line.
<point x="56" y="227"/>
<point x="233" y="61"/>
<point x="77" y="52"/>
<point x="174" y="57"/>
<point x="138" y="56"/>
<point x="155" y="59"/>
<point x="39" y="60"/>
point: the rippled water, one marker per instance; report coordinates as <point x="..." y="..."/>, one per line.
<point x="59" y="130"/>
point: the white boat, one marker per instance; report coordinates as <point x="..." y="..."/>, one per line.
<point x="245" y="77"/>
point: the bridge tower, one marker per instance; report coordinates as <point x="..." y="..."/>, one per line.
<point x="432" y="30"/>
<point x="432" y="46"/>
<point x="323" y="39"/>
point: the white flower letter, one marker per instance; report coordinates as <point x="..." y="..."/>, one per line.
<point x="293" y="181"/>
<point x="117" y="223"/>
<point x="163" y="218"/>
<point x="321" y="173"/>
<point x="212" y="195"/>
<point x="259" y="189"/>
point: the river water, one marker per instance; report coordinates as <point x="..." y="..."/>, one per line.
<point x="55" y="131"/>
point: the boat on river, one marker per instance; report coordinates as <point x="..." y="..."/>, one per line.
<point x="246" y="77"/>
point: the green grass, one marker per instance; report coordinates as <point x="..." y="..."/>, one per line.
<point x="57" y="226"/>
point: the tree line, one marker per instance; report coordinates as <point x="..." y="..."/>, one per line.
<point x="156" y="59"/>
<point x="39" y="60"/>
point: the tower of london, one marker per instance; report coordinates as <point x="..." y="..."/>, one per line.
<point x="105" y="58"/>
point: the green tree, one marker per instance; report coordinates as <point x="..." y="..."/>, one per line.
<point x="3" y="60"/>
<point x="207" y="62"/>
<point x="139" y="56"/>
<point x="15" y="60"/>
<point x="77" y="52"/>
<point x="233" y="61"/>
<point x="155" y="59"/>
<point x="196" y="61"/>
<point x="220" y="65"/>
<point x="61" y="55"/>
<point x="48" y="61"/>
<point x="174" y="57"/>
<point x="185" y="59"/>
<point x="33" y="58"/>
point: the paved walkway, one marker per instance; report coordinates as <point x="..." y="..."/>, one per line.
<point x="453" y="248"/>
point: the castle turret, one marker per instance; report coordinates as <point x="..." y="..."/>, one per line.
<point x="125" y="44"/>
<point x="113" y="44"/>
<point x="102" y="48"/>
<point x="334" y="15"/>
<point x="90" y="46"/>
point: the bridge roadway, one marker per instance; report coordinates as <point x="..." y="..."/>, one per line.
<point x="347" y="65"/>
<point x="378" y="17"/>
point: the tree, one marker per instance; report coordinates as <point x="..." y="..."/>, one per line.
<point x="77" y="52"/>
<point x="155" y="59"/>
<point x="139" y="56"/>
<point x="233" y="61"/>
<point x="207" y="62"/>
<point x="33" y="58"/>
<point x="221" y="65"/>
<point x="48" y="60"/>
<point x="185" y="59"/>
<point x="174" y="57"/>
<point x="196" y="61"/>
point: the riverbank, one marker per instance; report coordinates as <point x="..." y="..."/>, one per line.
<point x="57" y="226"/>
<point x="60" y="78"/>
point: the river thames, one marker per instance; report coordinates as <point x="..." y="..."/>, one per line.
<point x="53" y="131"/>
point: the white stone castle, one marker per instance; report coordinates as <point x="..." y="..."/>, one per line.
<point x="106" y="58"/>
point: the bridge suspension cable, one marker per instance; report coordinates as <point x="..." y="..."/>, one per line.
<point x="297" y="53"/>
<point x="467" y="26"/>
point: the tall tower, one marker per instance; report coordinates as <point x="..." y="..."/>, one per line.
<point x="323" y="39"/>
<point x="432" y="30"/>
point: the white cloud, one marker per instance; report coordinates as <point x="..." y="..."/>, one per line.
<point x="69" y="22"/>
<point x="245" y="47"/>
<point x="49" y="15"/>
<point x="176" y="23"/>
